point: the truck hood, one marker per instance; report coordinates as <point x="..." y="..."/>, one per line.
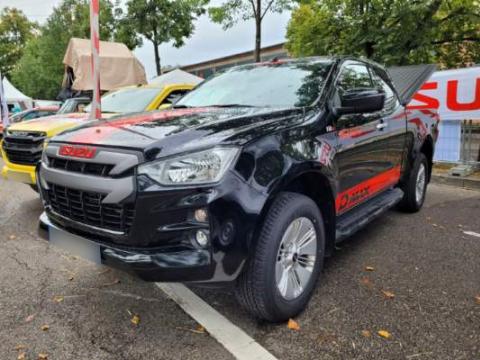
<point x="51" y="125"/>
<point x="178" y="130"/>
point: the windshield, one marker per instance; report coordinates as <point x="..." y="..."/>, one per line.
<point x="18" y="116"/>
<point x="127" y="100"/>
<point x="290" y="84"/>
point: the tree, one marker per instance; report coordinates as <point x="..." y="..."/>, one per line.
<point x="15" y="31"/>
<point x="233" y="10"/>
<point x="161" y="21"/>
<point x="396" y="32"/>
<point x="40" y="70"/>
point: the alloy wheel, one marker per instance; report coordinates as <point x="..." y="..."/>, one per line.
<point x="296" y="258"/>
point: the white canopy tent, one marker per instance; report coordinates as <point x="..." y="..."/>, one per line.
<point x="176" y="76"/>
<point x="15" y="96"/>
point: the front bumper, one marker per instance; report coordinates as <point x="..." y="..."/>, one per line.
<point x="20" y="173"/>
<point x="151" y="230"/>
<point x="149" y="264"/>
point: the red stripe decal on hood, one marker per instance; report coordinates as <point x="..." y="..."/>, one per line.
<point x="94" y="134"/>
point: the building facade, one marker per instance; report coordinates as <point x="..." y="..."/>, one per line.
<point x="207" y="68"/>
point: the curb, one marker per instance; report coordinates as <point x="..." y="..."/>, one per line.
<point x="466" y="183"/>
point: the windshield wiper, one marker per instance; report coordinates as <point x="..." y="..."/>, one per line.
<point x="232" y="105"/>
<point x="181" y="106"/>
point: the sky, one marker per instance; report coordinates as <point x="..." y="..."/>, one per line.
<point x="208" y="42"/>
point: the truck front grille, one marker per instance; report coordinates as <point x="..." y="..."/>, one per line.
<point x="87" y="208"/>
<point x="87" y="168"/>
<point x="24" y="148"/>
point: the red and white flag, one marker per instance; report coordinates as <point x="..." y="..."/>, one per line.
<point x="96" y="108"/>
<point x="3" y="105"/>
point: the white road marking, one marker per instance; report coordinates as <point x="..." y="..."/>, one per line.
<point x="234" y="339"/>
<point x="472" y="233"/>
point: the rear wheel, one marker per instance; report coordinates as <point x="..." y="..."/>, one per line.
<point x="280" y="276"/>
<point x="416" y="186"/>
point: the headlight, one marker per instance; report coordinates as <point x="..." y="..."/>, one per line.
<point x="202" y="167"/>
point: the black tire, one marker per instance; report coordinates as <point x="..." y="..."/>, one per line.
<point x="256" y="287"/>
<point x="410" y="203"/>
<point x="34" y="188"/>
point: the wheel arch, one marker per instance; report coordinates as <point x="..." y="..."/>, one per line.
<point x="315" y="185"/>
<point x="427" y="149"/>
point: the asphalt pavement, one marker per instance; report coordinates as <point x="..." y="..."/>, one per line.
<point x="414" y="276"/>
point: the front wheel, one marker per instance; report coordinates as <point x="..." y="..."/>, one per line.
<point x="416" y="186"/>
<point x="280" y="276"/>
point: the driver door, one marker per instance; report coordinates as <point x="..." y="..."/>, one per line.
<point x="362" y="143"/>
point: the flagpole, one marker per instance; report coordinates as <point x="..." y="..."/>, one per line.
<point x="3" y="105"/>
<point x="96" y="108"/>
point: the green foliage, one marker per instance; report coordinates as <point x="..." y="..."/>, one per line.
<point x="231" y="11"/>
<point x="389" y="31"/>
<point x="161" y="21"/>
<point x="39" y="72"/>
<point x="15" y="31"/>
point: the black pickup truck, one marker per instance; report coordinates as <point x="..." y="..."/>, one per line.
<point x="251" y="179"/>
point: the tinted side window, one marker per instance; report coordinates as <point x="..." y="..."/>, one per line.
<point x="354" y="76"/>
<point x="390" y="97"/>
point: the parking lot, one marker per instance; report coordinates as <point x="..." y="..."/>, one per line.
<point x="422" y="287"/>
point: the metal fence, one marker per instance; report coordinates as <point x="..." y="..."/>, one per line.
<point x="470" y="142"/>
<point x="459" y="142"/>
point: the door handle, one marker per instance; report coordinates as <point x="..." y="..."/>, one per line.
<point x="381" y="125"/>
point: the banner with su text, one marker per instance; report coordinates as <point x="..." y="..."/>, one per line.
<point x="455" y="94"/>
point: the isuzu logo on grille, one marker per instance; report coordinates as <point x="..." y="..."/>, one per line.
<point x="84" y="152"/>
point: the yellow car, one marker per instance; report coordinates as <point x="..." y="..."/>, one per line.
<point x="23" y="142"/>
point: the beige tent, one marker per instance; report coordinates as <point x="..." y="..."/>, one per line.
<point x="118" y="66"/>
<point x="176" y="76"/>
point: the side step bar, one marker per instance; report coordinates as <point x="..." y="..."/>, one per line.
<point x="355" y="219"/>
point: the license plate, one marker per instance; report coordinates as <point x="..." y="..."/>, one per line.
<point x="75" y="245"/>
<point x="19" y="177"/>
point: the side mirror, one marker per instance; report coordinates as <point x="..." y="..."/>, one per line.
<point x="358" y="101"/>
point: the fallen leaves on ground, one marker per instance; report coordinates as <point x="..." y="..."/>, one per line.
<point x="367" y="282"/>
<point x="58" y="298"/>
<point x="199" y="330"/>
<point x="388" y="294"/>
<point x="114" y="282"/>
<point x="369" y="268"/>
<point x="12" y="237"/>
<point x="477" y="299"/>
<point x="45" y="327"/>
<point x="135" y="320"/>
<point x="71" y="277"/>
<point x="384" y="334"/>
<point x="22" y="356"/>
<point x="293" y="325"/>
<point x="366" y="333"/>
<point x="42" y="356"/>
<point x="20" y="347"/>
<point x="30" y="318"/>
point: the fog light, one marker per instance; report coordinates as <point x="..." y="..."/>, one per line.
<point x="202" y="238"/>
<point x="201" y="215"/>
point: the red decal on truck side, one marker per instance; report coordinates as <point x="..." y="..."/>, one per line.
<point x="366" y="189"/>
